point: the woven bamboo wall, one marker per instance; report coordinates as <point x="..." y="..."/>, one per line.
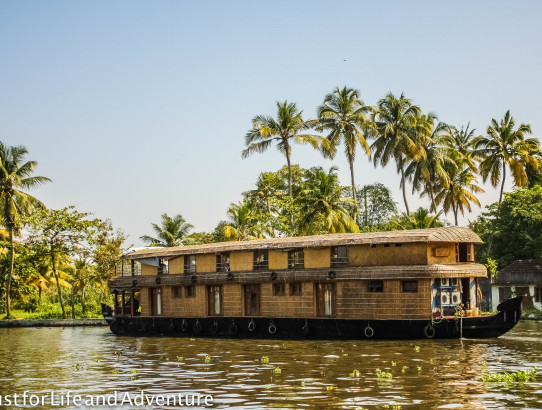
<point x="278" y="260"/>
<point x="432" y="252"/>
<point x="183" y="306"/>
<point x="406" y="254"/>
<point x="145" y="302"/>
<point x="232" y="300"/>
<point x="176" y="265"/>
<point x="148" y="270"/>
<point x="287" y="306"/>
<point x="240" y="261"/>
<point x="317" y="258"/>
<point x="206" y="262"/>
<point x="354" y="301"/>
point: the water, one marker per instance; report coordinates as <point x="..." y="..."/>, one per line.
<point x="442" y="374"/>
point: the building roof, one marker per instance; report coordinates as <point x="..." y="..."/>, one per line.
<point x="521" y="272"/>
<point x="433" y="235"/>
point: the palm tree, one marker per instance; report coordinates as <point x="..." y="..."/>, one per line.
<point x="323" y="204"/>
<point x="421" y="219"/>
<point x="430" y="173"/>
<point x="461" y="190"/>
<point x="504" y="146"/>
<point x="244" y="223"/>
<point x="460" y="144"/>
<point x="170" y="233"/>
<point x="401" y="135"/>
<point x="14" y="202"/>
<point x="343" y="113"/>
<point x="284" y="130"/>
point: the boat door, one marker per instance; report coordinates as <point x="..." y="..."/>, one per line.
<point x="252" y="300"/>
<point x="325" y="299"/>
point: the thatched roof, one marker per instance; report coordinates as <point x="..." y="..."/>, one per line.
<point x="304" y="275"/>
<point x="434" y="235"/>
<point x="521" y="272"/>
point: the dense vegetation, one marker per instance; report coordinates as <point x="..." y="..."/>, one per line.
<point x="55" y="263"/>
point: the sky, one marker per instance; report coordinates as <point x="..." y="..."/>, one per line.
<point x="136" y="108"/>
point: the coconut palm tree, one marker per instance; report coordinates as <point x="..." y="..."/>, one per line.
<point x="461" y="190"/>
<point x="345" y="116"/>
<point x="323" y="204"/>
<point x="431" y="172"/>
<point x="284" y="130"/>
<point x="460" y="144"/>
<point x="506" y="146"/>
<point x="420" y="219"/>
<point x="15" y="178"/>
<point x="170" y="233"/>
<point x="244" y="223"/>
<point x="401" y="135"/>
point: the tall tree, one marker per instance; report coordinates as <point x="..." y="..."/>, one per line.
<point x="283" y="131"/>
<point x="505" y="146"/>
<point x="420" y="219"/>
<point x="344" y="115"/>
<point x="170" y="233"/>
<point x="376" y="206"/>
<point x="323" y="206"/>
<point x="63" y="233"/>
<point x="244" y="222"/>
<point x="15" y="178"/>
<point x="400" y="135"/>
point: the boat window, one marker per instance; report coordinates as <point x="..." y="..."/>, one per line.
<point x="190" y="291"/>
<point x="190" y="263"/>
<point x="163" y="266"/>
<point x="376" y="286"/>
<point x="296" y="259"/>
<point x="537" y="294"/>
<point x="339" y="256"/>
<point x="156" y="302"/>
<point x="223" y="262"/>
<point x="215" y="300"/>
<point x="463" y="252"/>
<point x="409" y="285"/>
<point x="177" y="291"/>
<point x="261" y="260"/>
<point x="279" y="289"/>
<point x="296" y="289"/>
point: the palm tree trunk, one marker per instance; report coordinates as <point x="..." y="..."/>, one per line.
<point x="454" y="208"/>
<point x="366" y="211"/>
<point x="351" y="162"/>
<point x="403" y="182"/>
<point x="57" y="283"/>
<point x="289" y="173"/>
<point x="503" y="178"/>
<point x="10" y="274"/>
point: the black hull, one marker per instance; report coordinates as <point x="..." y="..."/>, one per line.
<point x="300" y="328"/>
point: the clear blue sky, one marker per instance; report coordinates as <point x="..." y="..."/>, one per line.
<point x="135" y="108"/>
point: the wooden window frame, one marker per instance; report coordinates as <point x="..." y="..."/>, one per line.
<point x="337" y="261"/>
<point x="406" y="289"/>
<point x="190" y="291"/>
<point x="372" y="286"/>
<point x="211" y="291"/>
<point x="262" y="264"/>
<point x="279" y="289"/>
<point x="188" y="266"/>
<point x="177" y="292"/>
<point x="296" y="289"/>
<point x="296" y="263"/>
<point x="464" y="247"/>
<point x="222" y="266"/>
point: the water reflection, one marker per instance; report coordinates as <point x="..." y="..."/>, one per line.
<point x="440" y="374"/>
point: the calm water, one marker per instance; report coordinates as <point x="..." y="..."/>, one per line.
<point x="313" y="374"/>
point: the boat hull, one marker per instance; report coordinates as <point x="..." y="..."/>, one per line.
<point x="311" y="328"/>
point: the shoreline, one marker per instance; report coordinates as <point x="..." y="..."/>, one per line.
<point x="51" y="323"/>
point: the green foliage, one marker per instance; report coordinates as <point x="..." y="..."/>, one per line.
<point x="421" y="219"/>
<point x="376" y="206"/>
<point x="521" y="376"/>
<point x="513" y="229"/>
<point x="199" y="238"/>
<point x="170" y="232"/>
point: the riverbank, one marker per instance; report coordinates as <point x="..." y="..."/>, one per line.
<point x="52" y="322"/>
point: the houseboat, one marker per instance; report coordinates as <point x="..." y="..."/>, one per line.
<point x="402" y="284"/>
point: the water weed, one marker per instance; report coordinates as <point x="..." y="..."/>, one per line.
<point x="207" y="358"/>
<point x="264" y="360"/>
<point x="277" y="370"/>
<point x="355" y="373"/>
<point x="521" y="376"/>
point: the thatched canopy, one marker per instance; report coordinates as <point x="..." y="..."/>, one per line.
<point x="435" y="235"/>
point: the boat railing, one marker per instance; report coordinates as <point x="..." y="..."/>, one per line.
<point x="339" y="261"/>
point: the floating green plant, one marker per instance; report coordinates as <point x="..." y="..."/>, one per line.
<point x="264" y="360"/>
<point x="393" y="364"/>
<point x="167" y="359"/>
<point x="277" y="370"/>
<point x="207" y="358"/>
<point x="419" y="369"/>
<point x="133" y="371"/>
<point x="355" y="373"/>
<point x="383" y="375"/>
<point x="484" y="365"/>
<point x="77" y="366"/>
<point x="330" y="388"/>
<point x="180" y="358"/>
<point x="528" y="375"/>
<point x="303" y="383"/>
<point x="417" y="348"/>
<point x="404" y="369"/>
<point x="393" y="406"/>
<point x="114" y="372"/>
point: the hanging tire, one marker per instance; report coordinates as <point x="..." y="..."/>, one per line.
<point x="184" y="326"/>
<point x="252" y="326"/>
<point x="273" y="275"/>
<point x="429" y="331"/>
<point x="229" y="276"/>
<point x="115" y="327"/>
<point x="233" y="329"/>
<point x="214" y="328"/>
<point x="306" y="330"/>
<point x="272" y="328"/>
<point x="369" y="332"/>
<point x="331" y="274"/>
<point x="197" y="327"/>
<point x="140" y="326"/>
